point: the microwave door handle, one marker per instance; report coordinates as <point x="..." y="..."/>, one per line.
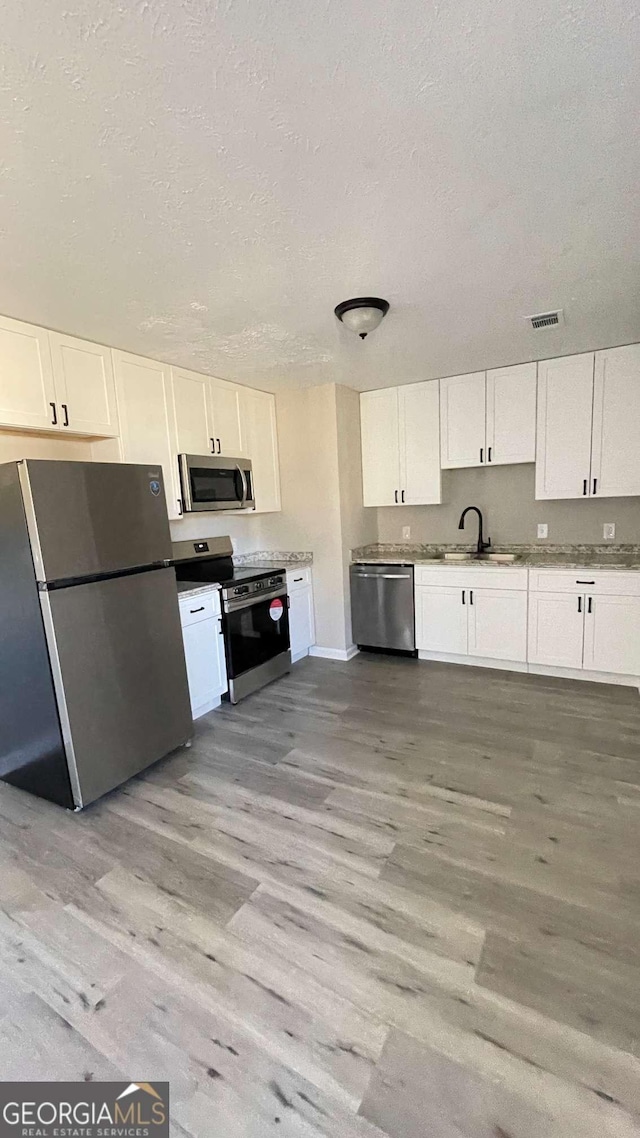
<point x="244" y="488"/>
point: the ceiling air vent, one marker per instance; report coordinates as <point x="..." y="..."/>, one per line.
<point x="546" y="319"/>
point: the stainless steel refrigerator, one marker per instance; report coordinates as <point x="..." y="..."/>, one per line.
<point x="93" y="684"/>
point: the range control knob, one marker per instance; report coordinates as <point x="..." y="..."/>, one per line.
<point x="241" y="590"/>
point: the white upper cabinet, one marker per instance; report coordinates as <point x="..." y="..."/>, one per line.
<point x="419" y="443"/>
<point x="380" y="449"/>
<point x="84" y="385"/>
<point x="565" y="403"/>
<point x="400" y="445"/>
<point x="511" y="415"/>
<point x="615" y="452"/>
<point x="463" y="420"/>
<point x="488" y="418"/>
<point x="27" y="391"/>
<point x="260" y="433"/>
<point x="227" y="418"/>
<point x="143" y="389"/>
<point x="191" y="407"/>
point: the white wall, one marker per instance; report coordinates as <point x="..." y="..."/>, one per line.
<point x="16" y="446"/>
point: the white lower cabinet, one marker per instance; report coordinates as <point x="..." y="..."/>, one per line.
<point x="441" y="620"/>
<point x="497" y="621"/>
<point x="204" y="651"/>
<point x="556" y="625"/>
<point x="302" y="629"/>
<point x="473" y="612"/>
<point x="612" y="635"/>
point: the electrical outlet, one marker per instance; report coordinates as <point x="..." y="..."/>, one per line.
<point x="543" y="529"/>
<point x="609" y="531"/>
<point x="406" y="532"/>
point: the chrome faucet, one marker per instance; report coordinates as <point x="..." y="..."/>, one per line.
<point x="482" y="545"/>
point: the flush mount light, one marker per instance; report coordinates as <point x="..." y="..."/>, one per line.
<point x="362" y="314"/>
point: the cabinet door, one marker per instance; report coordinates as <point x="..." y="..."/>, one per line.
<point x="27" y="391"/>
<point x="563" y="443"/>
<point x="441" y="619"/>
<point x="615" y="453"/>
<point x="498" y="624"/>
<point x="226" y="418"/>
<point x="85" y="387"/>
<point x="511" y="414"/>
<point x="261" y="446"/>
<point x="462" y="420"/>
<point x="380" y="449"/>
<point x="612" y="634"/>
<point x="419" y="443"/>
<point x="194" y="433"/>
<point x="301" y="621"/>
<point x="143" y="389"/>
<point x="206" y="671"/>
<point x="556" y="628"/>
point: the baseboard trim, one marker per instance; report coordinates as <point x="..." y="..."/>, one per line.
<point x="334" y="653"/>
<point x="474" y="661"/>
<point x="533" y="669"/>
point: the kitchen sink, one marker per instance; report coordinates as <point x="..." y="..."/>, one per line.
<point x="496" y="558"/>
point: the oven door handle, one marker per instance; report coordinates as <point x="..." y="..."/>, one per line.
<point x="255" y="599"/>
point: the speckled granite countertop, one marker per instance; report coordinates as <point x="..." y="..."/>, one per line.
<point x="527" y="556"/>
<point x="272" y="559"/>
<point x="193" y="589"/>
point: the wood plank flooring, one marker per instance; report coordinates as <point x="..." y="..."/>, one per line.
<point x="382" y="898"/>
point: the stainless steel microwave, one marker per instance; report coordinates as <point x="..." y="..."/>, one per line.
<point x="215" y="483"/>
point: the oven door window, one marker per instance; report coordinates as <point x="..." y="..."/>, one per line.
<point x="215" y="485"/>
<point x="256" y="634"/>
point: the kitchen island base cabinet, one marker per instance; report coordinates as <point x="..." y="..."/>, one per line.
<point x="204" y="651"/>
<point x="302" y="629"/>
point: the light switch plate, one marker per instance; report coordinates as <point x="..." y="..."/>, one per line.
<point x="609" y="531"/>
<point x="543" y="529"/>
<point x="406" y="532"/>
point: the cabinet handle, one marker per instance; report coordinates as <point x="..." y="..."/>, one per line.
<point x="66" y="415"/>
<point x="213" y="446"/>
<point x="579" y="604"/>
<point x="589" y="604"/>
<point x="396" y="496"/>
<point x="219" y="447"/>
<point x="402" y="495"/>
<point x="489" y="455"/>
<point x="180" y="510"/>
<point x="585" y="582"/>
<point x="471" y="597"/>
<point x="595" y="485"/>
<point x="201" y="609"/>
<point x="584" y="486"/>
<point x="481" y="454"/>
<point x="463" y="596"/>
<point x="297" y="579"/>
<point x="55" y="414"/>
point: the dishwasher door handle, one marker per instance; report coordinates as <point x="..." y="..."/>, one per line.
<point x="384" y="576"/>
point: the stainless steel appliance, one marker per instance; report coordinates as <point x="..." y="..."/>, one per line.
<point x="211" y="482"/>
<point x="255" y="612"/>
<point x="93" y="684"/>
<point x="382" y="607"/>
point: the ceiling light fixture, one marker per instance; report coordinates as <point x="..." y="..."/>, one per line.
<point x="362" y="314"/>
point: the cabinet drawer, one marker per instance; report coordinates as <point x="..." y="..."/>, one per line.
<point x="471" y="577"/>
<point x="203" y="606"/>
<point x="601" y="582"/>
<point x="298" y="578"/>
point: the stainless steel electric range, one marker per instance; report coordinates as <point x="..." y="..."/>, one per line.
<point x="255" y="611"/>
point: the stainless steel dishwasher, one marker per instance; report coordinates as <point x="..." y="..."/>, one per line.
<point x="382" y="607"/>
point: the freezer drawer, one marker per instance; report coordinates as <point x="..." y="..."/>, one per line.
<point x="120" y="677"/>
<point x="92" y="518"/>
<point x="382" y="606"/>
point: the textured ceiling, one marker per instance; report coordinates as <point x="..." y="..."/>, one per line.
<point x="203" y="181"/>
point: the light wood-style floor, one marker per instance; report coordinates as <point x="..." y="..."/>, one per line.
<point x="376" y="898"/>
